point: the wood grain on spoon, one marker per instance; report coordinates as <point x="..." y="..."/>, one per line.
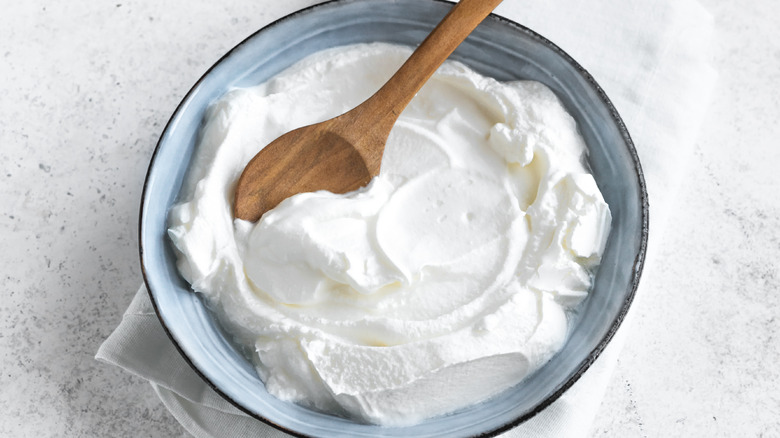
<point x="343" y="154"/>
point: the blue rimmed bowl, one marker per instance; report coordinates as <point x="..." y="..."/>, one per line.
<point x="499" y="48"/>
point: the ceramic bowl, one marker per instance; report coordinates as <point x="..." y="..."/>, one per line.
<point x="499" y="48"/>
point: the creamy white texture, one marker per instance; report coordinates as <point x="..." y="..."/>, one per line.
<point x="442" y="283"/>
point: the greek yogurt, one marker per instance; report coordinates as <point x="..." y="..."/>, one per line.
<point x="443" y="282"/>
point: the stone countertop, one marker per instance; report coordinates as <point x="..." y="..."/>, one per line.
<point x="85" y="90"/>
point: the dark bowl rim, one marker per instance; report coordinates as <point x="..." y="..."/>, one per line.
<point x="584" y="365"/>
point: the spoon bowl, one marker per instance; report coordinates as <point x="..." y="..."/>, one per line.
<point x="314" y="157"/>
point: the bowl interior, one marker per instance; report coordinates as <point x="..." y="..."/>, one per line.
<point x="498" y="48"/>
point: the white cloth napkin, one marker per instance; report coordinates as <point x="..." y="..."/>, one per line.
<point x="651" y="58"/>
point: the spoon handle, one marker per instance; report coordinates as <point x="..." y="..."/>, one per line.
<point x="393" y="97"/>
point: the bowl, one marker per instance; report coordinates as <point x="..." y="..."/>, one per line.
<point x="499" y="48"/>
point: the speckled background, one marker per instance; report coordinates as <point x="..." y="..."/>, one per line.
<point x="85" y="89"/>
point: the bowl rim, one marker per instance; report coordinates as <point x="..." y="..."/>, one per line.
<point x="638" y="263"/>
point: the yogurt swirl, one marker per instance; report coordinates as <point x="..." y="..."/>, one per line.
<point x="443" y="282"/>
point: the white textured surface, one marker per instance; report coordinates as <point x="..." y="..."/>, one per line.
<point x="85" y="89"/>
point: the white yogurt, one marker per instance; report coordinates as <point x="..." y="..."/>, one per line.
<point x="442" y="283"/>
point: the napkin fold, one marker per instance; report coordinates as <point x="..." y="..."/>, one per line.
<point x="651" y="58"/>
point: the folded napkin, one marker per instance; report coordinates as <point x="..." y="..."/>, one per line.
<point x="650" y="56"/>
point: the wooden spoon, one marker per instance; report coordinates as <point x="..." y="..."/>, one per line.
<point x="343" y="154"/>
